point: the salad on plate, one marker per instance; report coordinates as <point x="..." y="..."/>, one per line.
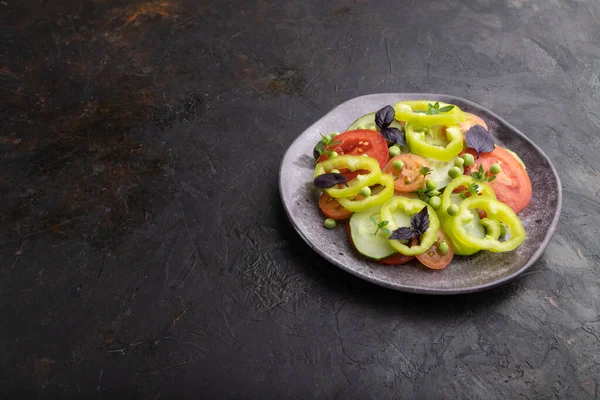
<point x="421" y="179"/>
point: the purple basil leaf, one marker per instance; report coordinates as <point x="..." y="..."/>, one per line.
<point x="420" y="222"/>
<point x="479" y="139"/>
<point x="384" y="117"/>
<point x="327" y="181"/>
<point x="403" y="233"/>
<point x="394" y="135"/>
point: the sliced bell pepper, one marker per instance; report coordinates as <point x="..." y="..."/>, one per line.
<point x="459" y="248"/>
<point x="495" y="211"/>
<point x="418" y="143"/>
<point x="410" y="207"/>
<point x="492" y="227"/>
<point x="353" y="163"/>
<point x="465" y="180"/>
<point x="413" y="111"/>
<point x="446" y="220"/>
<point x="356" y="205"/>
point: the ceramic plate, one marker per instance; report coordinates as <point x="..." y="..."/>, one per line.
<point x="465" y="274"/>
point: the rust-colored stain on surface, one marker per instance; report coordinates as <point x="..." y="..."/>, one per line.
<point x="342" y="11"/>
<point x="281" y="79"/>
<point x="42" y="366"/>
<point x="83" y="103"/>
<point x="131" y="13"/>
<point x="177" y="318"/>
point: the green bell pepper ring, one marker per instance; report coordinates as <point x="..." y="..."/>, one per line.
<point x="459" y="248"/>
<point x="496" y="211"/>
<point x="411" y="207"/>
<point x="418" y="144"/>
<point x="464" y="180"/>
<point x="492" y="227"/>
<point x="353" y="163"/>
<point x="412" y="111"/>
<point x="387" y="181"/>
<point x="446" y="220"/>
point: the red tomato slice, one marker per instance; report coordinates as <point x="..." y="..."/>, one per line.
<point x="332" y="208"/>
<point x="396" y="259"/>
<point x="359" y="142"/>
<point x="471" y="121"/>
<point x="432" y="257"/>
<point x="409" y="178"/>
<point x="512" y="185"/>
<point x="352" y="175"/>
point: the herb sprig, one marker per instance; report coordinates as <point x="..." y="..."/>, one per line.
<point x="435" y="108"/>
<point x="323" y="148"/>
<point x="421" y="192"/>
<point x="381" y="226"/>
<point x="472" y="189"/>
<point x="482" y="176"/>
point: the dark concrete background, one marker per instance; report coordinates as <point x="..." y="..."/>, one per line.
<point x="144" y="252"/>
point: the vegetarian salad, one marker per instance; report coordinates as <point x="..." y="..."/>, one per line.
<point x="421" y="179"/>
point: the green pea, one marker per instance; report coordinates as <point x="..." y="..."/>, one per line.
<point x="435" y="202"/>
<point x="503" y="230"/>
<point x="329" y="223"/>
<point x="334" y="171"/>
<point x="454" y="172"/>
<point x="452" y="210"/>
<point x="430" y="184"/>
<point x="443" y="248"/>
<point x="333" y="154"/>
<point x="458" y="162"/>
<point x="495" y="169"/>
<point x="394" y="151"/>
<point x="365" y="191"/>
<point x="398" y="164"/>
<point x="469" y="160"/>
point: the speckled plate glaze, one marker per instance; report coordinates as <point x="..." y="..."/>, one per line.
<point x="465" y="274"/>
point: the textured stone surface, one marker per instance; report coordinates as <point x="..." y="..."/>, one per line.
<point x="144" y="249"/>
